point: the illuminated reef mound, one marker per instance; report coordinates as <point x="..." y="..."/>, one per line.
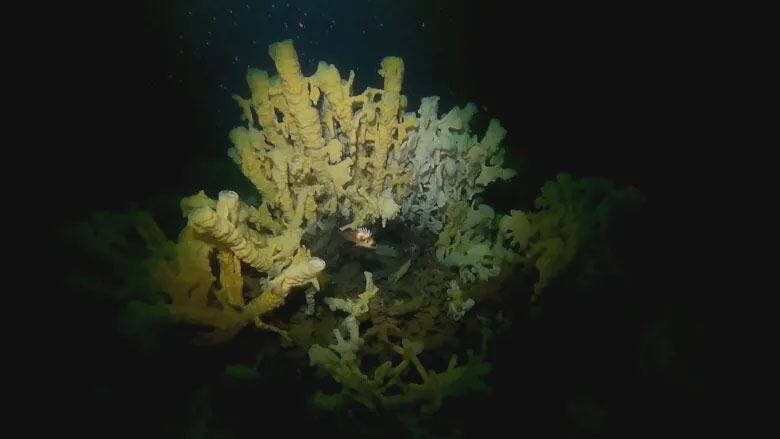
<point x="380" y="321"/>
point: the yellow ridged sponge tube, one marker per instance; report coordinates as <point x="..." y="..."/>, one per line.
<point x="392" y="70"/>
<point x="303" y="270"/>
<point x="295" y="86"/>
<point x="206" y="221"/>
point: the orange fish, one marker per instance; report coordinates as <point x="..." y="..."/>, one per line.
<point x="361" y="237"/>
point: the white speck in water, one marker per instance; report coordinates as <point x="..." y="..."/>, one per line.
<point x="300" y="25"/>
<point x="423" y="25"/>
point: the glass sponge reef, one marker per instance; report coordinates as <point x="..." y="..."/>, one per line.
<point x="381" y="323"/>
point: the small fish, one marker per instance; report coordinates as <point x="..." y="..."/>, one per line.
<point x="360" y="237"/>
